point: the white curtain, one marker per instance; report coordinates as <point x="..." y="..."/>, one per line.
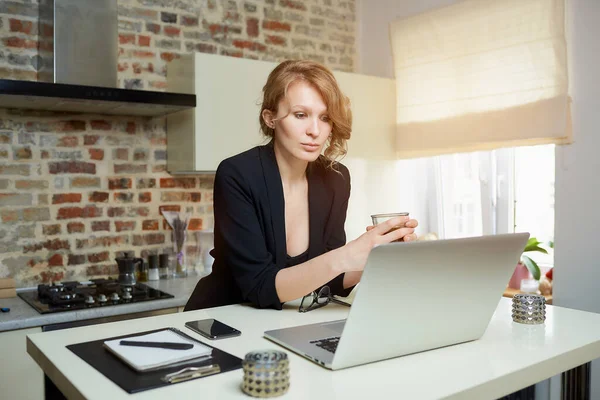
<point x="479" y="75"/>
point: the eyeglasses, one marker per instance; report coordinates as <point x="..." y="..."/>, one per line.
<point x="316" y="300"/>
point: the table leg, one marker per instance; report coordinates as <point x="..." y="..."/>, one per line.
<point x="51" y="392"/>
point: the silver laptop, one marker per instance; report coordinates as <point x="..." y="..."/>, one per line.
<point x="413" y="297"/>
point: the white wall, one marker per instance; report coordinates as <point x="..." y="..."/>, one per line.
<point x="382" y="187"/>
<point x="577" y="208"/>
<point x="375" y="54"/>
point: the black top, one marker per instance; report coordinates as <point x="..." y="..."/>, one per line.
<point x="299" y="259"/>
<point x="250" y="240"/>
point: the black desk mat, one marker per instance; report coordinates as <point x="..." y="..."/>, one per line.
<point x="132" y="381"/>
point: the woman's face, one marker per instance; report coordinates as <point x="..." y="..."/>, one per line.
<point x="304" y="126"/>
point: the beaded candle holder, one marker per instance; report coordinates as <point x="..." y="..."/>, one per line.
<point x="266" y="373"/>
<point x="529" y="309"/>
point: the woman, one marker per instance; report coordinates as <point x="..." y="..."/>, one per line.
<point x="280" y="209"/>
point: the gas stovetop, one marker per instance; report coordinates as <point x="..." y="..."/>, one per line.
<point x="69" y="296"/>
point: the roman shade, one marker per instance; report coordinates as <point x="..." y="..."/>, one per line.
<point x="480" y="75"/>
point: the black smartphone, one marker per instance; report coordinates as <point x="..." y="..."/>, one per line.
<point x="212" y="328"/>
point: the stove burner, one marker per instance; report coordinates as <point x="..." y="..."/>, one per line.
<point x="67" y="296"/>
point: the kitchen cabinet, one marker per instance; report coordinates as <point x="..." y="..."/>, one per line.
<point x="20" y="376"/>
<point x="228" y="95"/>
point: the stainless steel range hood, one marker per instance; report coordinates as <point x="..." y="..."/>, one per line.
<point x="78" y="42"/>
<point x="78" y="47"/>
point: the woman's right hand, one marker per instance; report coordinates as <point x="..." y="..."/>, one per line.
<point x="353" y="256"/>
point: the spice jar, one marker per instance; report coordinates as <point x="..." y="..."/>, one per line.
<point x="164" y="266"/>
<point x="153" y="267"/>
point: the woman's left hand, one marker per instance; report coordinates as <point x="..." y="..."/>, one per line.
<point x="411" y="223"/>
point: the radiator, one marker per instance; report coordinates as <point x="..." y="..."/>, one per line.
<point x="524" y="394"/>
<point x="575" y="383"/>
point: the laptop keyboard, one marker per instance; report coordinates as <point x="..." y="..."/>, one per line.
<point x="329" y="344"/>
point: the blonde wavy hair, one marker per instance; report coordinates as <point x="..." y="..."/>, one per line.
<point x="322" y="79"/>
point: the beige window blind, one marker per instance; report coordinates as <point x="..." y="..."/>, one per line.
<point x="479" y="75"/>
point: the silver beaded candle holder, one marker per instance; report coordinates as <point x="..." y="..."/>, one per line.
<point x="266" y="373"/>
<point x="529" y="309"/>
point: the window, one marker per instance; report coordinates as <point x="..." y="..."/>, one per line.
<point x="534" y="197"/>
<point x="499" y="191"/>
<point x="461" y="195"/>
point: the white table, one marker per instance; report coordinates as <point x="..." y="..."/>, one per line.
<point x="507" y="358"/>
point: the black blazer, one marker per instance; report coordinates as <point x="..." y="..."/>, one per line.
<point x="250" y="240"/>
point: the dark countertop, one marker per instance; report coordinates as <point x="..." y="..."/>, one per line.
<point x="22" y="315"/>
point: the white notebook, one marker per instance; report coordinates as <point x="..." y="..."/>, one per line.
<point x="147" y="358"/>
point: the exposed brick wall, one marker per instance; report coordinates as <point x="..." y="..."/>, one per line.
<point x="75" y="189"/>
<point x="19" y="39"/>
<point x="150" y="36"/>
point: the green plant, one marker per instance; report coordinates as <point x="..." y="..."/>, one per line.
<point x="533" y="245"/>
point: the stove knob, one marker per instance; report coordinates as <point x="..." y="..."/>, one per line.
<point x="114" y="296"/>
<point x="102" y="298"/>
<point x="127" y="296"/>
<point x="89" y="300"/>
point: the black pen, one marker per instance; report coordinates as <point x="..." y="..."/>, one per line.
<point x="162" y="345"/>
